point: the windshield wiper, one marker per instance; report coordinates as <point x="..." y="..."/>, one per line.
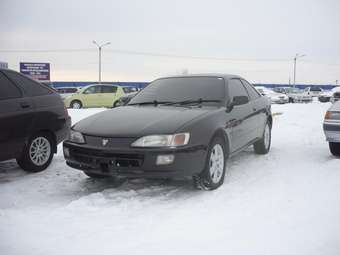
<point x="154" y="102"/>
<point x="196" y="101"/>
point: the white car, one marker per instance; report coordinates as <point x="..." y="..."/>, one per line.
<point x="331" y="127"/>
<point x="313" y="91"/>
<point x="275" y="98"/>
<point x="295" y="95"/>
<point x="335" y="95"/>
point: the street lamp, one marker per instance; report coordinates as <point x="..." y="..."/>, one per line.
<point x="100" y="58"/>
<point x="295" y="58"/>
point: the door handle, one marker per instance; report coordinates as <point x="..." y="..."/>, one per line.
<point x="232" y="123"/>
<point x="25" y="105"/>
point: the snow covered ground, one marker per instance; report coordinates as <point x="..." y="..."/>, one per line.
<point x="286" y="202"/>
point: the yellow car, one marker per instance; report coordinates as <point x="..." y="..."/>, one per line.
<point x="97" y="95"/>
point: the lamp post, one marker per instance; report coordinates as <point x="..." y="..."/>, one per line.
<point x="295" y="58"/>
<point x="100" y="58"/>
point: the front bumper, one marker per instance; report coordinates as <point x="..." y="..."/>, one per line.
<point x="135" y="162"/>
<point x="332" y="131"/>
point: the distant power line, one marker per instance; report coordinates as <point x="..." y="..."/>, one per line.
<point x="157" y="54"/>
<point x="140" y="53"/>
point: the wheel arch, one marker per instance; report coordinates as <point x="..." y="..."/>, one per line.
<point x="221" y="133"/>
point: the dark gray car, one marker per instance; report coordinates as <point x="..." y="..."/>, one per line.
<point x="33" y="120"/>
<point x="175" y="127"/>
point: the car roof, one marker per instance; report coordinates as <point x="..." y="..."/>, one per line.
<point x="100" y="84"/>
<point x="219" y="75"/>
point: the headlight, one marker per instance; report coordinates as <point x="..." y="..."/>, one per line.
<point x="162" y="140"/>
<point x="332" y="115"/>
<point x="76" y="137"/>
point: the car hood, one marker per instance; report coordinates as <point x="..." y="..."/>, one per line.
<point x="136" y="121"/>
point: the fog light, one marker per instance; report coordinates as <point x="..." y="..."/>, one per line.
<point x="66" y="152"/>
<point x="165" y="159"/>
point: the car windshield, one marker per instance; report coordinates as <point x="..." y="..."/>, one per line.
<point x="180" y="89"/>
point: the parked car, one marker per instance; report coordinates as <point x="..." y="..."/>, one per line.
<point x="275" y="98"/>
<point x="175" y="127"/>
<point x="331" y="128"/>
<point x="295" y="95"/>
<point x="313" y="91"/>
<point x="33" y="120"/>
<point x="65" y="92"/>
<point x="95" y="95"/>
<point x="325" y="96"/>
<point x="335" y="95"/>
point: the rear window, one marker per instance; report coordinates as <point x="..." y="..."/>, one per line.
<point x="109" y="89"/>
<point x="32" y="88"/>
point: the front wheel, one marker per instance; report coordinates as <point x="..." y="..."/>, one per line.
<point x="213" y="174"/>
<point x="37" y="154"/>
<point x="76" y="104"/>
<point x="335" y="148"/>
<point x="262" y="146"/>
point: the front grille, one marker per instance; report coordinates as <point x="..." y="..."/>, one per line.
<point x="97" y="157"/>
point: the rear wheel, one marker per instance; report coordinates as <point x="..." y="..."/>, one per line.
<point x="334" y="148"/>
<point x="37" y="154"/>
<point x="76" y="104"/>
<point x="212" y="176"/>
<point x="262" y="146"/>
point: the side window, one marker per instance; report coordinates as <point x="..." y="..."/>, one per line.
<point x="32" y="88"/>
<point x="236" y="88"/>
<point x="93" y="90"/>
<point x="8" y="89"/>
<point x="253" y="94"/>
<point x="109" y="89"/>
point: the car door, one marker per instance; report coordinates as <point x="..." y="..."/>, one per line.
<point x="109" y="95"/>
<point x="91" y="97"/>
<point x="258" y="117"/>
<point x="238" y="116"/>
<point x="16" y="118"/>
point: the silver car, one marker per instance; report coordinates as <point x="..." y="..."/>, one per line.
<point x="331" y="127"/>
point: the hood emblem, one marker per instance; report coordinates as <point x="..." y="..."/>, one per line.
<point x="105" y="141"/>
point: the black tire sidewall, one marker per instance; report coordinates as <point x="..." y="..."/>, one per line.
<point x="205" y="175"/>
<point x="334" y="149"/>
<point x="76" y="101"/>
<point x="25" y="161"/>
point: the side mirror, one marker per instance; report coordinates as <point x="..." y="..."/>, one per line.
<point x="238" y="100"/>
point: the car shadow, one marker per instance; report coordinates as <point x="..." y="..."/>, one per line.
<point x="9" y="171"/>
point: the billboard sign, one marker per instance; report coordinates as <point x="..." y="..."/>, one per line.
<point x="37" y="71"/>
<point x="4" y="65"/>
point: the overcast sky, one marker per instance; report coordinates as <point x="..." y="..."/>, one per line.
<point x="256" y="39"/>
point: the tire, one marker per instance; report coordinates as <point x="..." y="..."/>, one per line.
<point x="96" y="176"/>
<point x="335" y="148"/>
<point x="262" y="146"/>
<point x="116" y="103"/>
<point x="213" y="174"/>
<point x="38" y="153"/>
<point x="291" y="100"/>
<point x="76" y="104"/>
